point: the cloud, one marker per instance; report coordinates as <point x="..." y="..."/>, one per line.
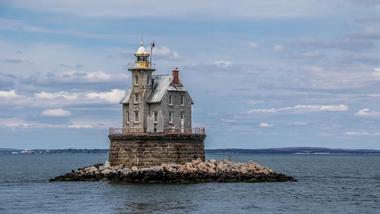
<point x="81" y="76"/>
<point x="278" y="48"/>
<point x="12" y="122"/>
<point x="18" y="25"/>
<point x="21" y="123"/>
<point x="369" y="33"/>
<point x="165" y="52"/>
<point x="15" y="123"/>
<point x="56" y="96"/>
<point x="90" y="124"/>
<point x="172" y="8"/>
<point x="302" y="109"/>
<point x="255" y="102"/>
<point x="113" y="96"/>
<point x="61" y="98"/>
<point x="365" y="112"/>
<point x="253" y="45"/>
<point x="376" y="72"/>
<point x="361" y="133"/>
<point x="97" y="76"/>
<point x="298" y="123"/>
<point x="12" y="60"/>
<point x="265" y="125"/>
<point x="8" y="94"/>
<point x="58" y="112"/>
<point x="228" y="120"/>
<point x="80" y="126"/>
<point x="222" y="63"/>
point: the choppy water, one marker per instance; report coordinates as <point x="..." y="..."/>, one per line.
<point x="327" y="184"/>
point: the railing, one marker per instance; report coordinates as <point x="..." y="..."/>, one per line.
<point x="134" y="131"/>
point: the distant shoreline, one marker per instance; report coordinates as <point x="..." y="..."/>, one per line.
<point x="288" y="150"/>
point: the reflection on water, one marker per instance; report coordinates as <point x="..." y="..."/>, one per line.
<point x="327" y="184"/>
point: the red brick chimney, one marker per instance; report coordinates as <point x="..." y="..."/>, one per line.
<point x="175" y="74"/>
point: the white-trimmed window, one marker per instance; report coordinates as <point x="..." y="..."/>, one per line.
<point x="155" y="114"/>
<point x="127" y="116"/>
<point x="136" y="98"/>
<point x="148" y="80"/>
<point x="182" y="100"/>
<point x="136" y="116"/>
<point x="182" y="115"/>
<point x="170" y="100"/>
<point x="170" y="117"/>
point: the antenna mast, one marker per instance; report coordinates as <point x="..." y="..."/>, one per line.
<point x="151" y="53"/>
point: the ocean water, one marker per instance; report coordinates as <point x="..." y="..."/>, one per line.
<point x="326" y="184"/>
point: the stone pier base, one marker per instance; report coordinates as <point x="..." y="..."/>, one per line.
<point x="145" y="150"/>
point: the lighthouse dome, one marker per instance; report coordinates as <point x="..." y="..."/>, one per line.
<point x="141" y="50"/>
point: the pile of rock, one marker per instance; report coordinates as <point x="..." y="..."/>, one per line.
<point x="196" y="171"/>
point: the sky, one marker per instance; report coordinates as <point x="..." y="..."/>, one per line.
<point x="262" y="74"/>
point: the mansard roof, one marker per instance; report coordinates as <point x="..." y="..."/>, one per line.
<point x="161" y="84"/>
<point x="125" y="99"/>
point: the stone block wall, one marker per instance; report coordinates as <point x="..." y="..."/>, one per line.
<point x="144" y="150"/>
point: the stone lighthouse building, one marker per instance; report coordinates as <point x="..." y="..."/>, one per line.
<point x="157" y="126"/>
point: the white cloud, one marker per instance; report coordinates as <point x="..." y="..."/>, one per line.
<point x="62" y="98"/>
<point x="165" y="52"/>
<point x="298" y="123"/>
<point x="21" y="123"/>
<point x="227" y="120"/>
<point x="366" y="112"/>
<point x="376" y="72"/>
<point x="362" y="133"/>
<point x="80" y="126"/>
<point x="303" y="109"/>
<point x="8" y="94"/>
<point x="58" y="112"/>
<point x="113" y="96"/>
<point x="255" y="102"/>
<point x="253" y="45"/>
<point x="56" y="95"/>
<point x="278" y="48"/>
<point x="15" y="123"/>
<point x="80" y="76"/>
<point x="265" y="125"/>
<point x="98" y="76"/>
<point x="223" y="63"/>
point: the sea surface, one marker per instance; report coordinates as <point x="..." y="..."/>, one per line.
<point x="326" y="184"/>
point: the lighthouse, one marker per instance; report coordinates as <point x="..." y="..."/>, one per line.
<point x="157" y="119"/>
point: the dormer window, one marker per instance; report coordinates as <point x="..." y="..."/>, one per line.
<point x="182" y="100"/>
<point x="170" y="100"/>
<point x="136" y="79"/>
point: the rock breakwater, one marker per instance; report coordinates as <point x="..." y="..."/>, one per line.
<point x="196" y="171"/>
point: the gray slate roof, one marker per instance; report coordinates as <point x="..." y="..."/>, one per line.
<point x="161" y="84"/>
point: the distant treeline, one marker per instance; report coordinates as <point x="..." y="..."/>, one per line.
<point x="51" y="151"/>
<point x="294" y="150"/>
<point x="290" y="150"/>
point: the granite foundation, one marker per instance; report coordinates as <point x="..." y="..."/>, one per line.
<point x="146" y="150"/>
